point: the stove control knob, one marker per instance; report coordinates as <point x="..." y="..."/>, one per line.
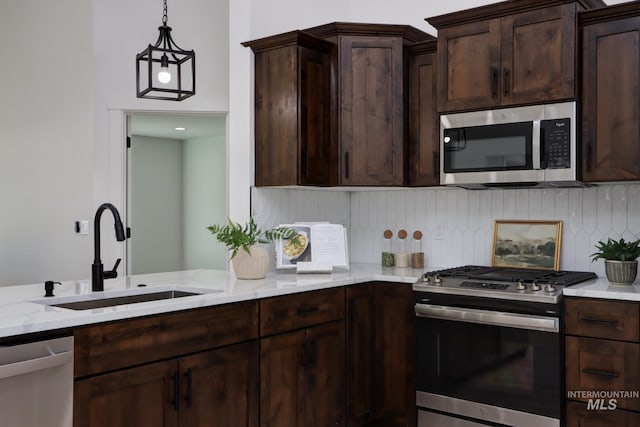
<point x="426" y="278"/>
<point x="535" y="287"/>
<point x="521" y="286"/>
<point x="550" y="288"/>
<point x="436" y="278"/>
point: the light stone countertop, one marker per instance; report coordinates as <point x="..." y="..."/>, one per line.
<point x="601" y="288"/>
<point x="19" y="314"/>
<point x="22" y="311"/>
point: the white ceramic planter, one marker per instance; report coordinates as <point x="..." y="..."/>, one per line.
<point x="621" y="272"/>
<point x="254" y="266"/>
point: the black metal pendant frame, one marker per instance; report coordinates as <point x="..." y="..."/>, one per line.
<point x="181" y="62"/>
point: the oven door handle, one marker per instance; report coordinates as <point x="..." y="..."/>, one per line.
<point x="486" y="317"/>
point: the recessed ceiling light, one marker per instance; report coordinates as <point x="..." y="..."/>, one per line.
<point x="181" y="128"/>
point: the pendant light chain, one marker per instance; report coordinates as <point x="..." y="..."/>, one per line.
<point x="164" y="13"/>
<point x="164" y="71"/>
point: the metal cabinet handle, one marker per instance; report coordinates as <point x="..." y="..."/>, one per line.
<point x="601" y="373"/>
<point x="307" y="310"/>
<point x="590" y="319"/>
<point x="494" y="82"/>
<point x="505" y="82"/>
<point x="589" y="155"/>
<point x="189" y="396"/>
<point x="346" y="165"/>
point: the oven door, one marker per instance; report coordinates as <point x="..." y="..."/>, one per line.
<point x="497" y="367"/>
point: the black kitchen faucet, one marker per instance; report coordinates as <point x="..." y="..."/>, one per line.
<point x="97" y="269"/>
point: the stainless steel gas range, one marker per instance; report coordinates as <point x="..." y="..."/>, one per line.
<point x="489" y="346"/>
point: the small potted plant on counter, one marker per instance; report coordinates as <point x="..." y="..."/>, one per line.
<point x="620" y="260"/>
<point x="250" y="261"/>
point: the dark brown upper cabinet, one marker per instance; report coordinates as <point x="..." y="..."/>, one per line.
<point x="292" y="107"/>
<point x="424" y="149"/>
<point x="611" y="93"/>
<point x="330" y="105"/>
<point x="369" y="88"/>
<point x="510" y="53"/>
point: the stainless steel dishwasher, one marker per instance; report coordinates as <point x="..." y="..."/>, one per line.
<point x="36" y="383"/>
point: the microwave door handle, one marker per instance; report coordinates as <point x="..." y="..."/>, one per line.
<point x="536" y="142"/>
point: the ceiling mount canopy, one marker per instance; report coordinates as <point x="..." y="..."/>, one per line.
<point x="164" y="70"/>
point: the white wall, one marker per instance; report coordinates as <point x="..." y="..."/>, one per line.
<point x="46" y="129"/>
<point x="204" y="172"/>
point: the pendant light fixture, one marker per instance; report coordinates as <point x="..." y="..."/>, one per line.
<point x="165" y="71"/>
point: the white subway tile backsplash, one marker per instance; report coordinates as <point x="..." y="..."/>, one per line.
<point x="619" y="209"/>
<point x="633" y="208"/>
<point x="464" y="219"/>
<point x="590" y="209"/>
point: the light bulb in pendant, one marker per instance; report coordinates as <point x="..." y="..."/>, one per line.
<point x="164" y="76"/>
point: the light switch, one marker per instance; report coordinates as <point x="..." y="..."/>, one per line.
<point x="82" y="227"/>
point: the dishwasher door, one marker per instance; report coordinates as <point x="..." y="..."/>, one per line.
<point x="36" y="383"/>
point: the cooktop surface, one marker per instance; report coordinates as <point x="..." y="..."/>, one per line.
<point x="502" y="282"/>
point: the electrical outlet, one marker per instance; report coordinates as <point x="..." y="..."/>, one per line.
<point x="439" y="234"/>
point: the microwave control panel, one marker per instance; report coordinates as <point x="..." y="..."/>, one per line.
<point x="555" y="141"/>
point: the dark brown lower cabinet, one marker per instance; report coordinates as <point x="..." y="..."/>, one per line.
<point x="579" y="416"/>
<point x="221" y="387"/>
<point x="216" y="387"/>
<point x="302" y="377"/>
<point x="132" y="397"/>
<point x="381" y="388"/>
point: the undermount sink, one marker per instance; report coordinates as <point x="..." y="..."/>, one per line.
<point x="116" y="298"/>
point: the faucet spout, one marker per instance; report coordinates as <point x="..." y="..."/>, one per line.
<point x="97" y="269"/>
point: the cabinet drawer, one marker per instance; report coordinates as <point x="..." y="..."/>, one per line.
<point x="579" y="416"/>
<point x="596" y="364"/>
<point x="115" y="345"/>
<point x="289" y="312"/>
<point x="614" y="320"/>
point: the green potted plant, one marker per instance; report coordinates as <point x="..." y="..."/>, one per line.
<point x="620" y="260"/>
<point x="250" y="261"/>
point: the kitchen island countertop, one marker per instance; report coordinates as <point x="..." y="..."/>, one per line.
<point x="20" y="315"/>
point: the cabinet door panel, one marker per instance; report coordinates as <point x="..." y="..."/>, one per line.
<point x="424" y="125"/>
<point x="361" y="368"/>
<point x="315" y="166"/>
<point x="135" y="397"/>
<point x="611" y="101"/>
<point x="325" y="398"/>
<point x="579" y="416"/>
<point x="371" y="110"/>
<point x="596" y="364"/>
<point x="469" y="63"/>
<point x="395" y="352"/>
<point x="381" y="355"/>
<point x="282" y="380"/>
<point x="538" y="55"/>
<point x="615" y="320"/>
<point x="276" y="119"/>
<point x="220" y="387"/>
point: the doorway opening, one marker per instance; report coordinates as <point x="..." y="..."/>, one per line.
<point x="176" y="180"/>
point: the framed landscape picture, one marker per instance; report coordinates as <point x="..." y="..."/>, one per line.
<point x="526" y="244"/>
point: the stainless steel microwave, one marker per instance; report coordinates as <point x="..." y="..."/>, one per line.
<point x="511" y="147"/>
